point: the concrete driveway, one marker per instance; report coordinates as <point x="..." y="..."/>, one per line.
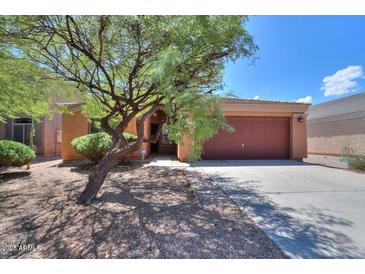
<point x="310" y="211"/>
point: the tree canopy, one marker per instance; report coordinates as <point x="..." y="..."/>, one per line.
<point x="128" y="66"/>
<point x="26" y="89"/>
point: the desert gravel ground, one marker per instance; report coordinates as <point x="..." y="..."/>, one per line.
<point x="140" y="212"/>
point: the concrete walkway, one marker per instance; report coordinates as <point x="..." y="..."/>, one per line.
<point x="325" y="160"/>
<point x="167" y="161"/>
<point x="310" y="211"/>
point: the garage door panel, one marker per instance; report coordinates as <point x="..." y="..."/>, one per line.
<point x="262" y="137"/>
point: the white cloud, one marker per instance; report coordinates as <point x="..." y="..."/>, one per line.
<point x="306" y="100"/>
<point x="343" y="81"/>
<point x="256" y="97"/>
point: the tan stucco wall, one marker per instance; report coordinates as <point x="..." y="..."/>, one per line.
<point x="338" y="126"/>
<point x="45" y="134"/>
<point x="50" y="127"/>
<point x="333" y="137"/>
<point x="73" y="125"/>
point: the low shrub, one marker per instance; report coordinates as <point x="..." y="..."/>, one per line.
<point x="94" y="146"/>
<point x="357" y="162"/>
<point x="15" y="154"/>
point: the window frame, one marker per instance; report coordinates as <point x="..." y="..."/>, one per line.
<point x="23" y="126"/>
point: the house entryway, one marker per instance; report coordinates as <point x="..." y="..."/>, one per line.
<point x="160" y="143"/>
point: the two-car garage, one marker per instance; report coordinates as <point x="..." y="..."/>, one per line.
<point x="254" y="137"/>
<point x="262" y="130"/>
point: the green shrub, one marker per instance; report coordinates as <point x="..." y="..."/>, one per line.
<point x="357" y="162"/>
<point x="15" y="154"/>
<point x="93" y="146"/>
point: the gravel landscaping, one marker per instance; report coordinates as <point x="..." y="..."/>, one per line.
<point x="140" y="212"/>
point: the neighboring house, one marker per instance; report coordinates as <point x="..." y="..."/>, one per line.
<point x="337" y="127"/>
<point x="47" y="139"/>
<point x="263" y="130"/>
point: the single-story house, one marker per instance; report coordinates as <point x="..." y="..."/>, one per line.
<point x="337" y="127"/>
<point x="47" y="137"/>
<point x="263" y="130"/>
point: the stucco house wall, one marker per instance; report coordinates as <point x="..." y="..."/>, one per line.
<point x="52" y="146"/>
<point x="337" y="127"/>
<point x="77" y="125"/>
<point x="242" y="107"/>
<point x="132" y="128"/>
<point x="45" y="139"/>
<point x="73" y="125"/>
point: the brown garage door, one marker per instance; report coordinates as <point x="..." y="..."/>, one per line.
<point x="254" y="138"/>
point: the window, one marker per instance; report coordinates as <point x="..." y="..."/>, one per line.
<point x="21" y="130"/>
<point x="93" y="127"/>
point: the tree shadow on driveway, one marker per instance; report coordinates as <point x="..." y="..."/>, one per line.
<point x="317" y="235"/>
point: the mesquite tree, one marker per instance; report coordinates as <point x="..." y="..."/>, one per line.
<point x="128" y="66"/>
<point x="26" y="89"/>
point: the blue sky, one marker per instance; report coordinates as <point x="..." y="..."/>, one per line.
<point x="318" y="56"/>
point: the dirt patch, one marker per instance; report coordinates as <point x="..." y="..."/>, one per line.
<point x="140" y="212"/>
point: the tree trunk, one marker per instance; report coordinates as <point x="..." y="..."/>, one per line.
<point x="97" y="177"/>
<point x="113" y="156"/>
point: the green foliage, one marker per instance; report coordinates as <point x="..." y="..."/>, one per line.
<point x="94" y="146"/>
<point x="15" y="154"/>
<point x="26" y="89"/>
<point x="200" y="119"/>
<point x="126" y="65"/>
<point x="357" y="162"/>
<point x="92" y="110"/>
<point x="22" y="91"/>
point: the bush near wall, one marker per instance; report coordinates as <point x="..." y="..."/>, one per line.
<point x="15" y="154"/>
<point x="94" y="146"/>
<point x="357" y="162"/>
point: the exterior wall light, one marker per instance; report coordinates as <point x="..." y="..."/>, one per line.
<point x="300" y="119"/>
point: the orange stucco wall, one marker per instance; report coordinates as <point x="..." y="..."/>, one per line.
<point x="77" y="125"/>
<point x="73" y="125"/>
<point x="298" y="138"/>
<point x="132" y="128"/>
<point x="184" y="149"/>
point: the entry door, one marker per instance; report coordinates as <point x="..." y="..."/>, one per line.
<point x="254" y="138"/>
